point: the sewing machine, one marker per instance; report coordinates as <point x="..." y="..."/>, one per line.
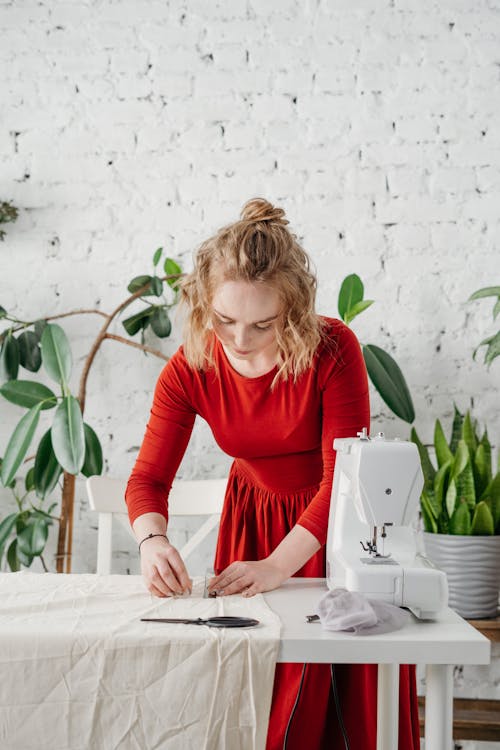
<point x="371" y="546"/>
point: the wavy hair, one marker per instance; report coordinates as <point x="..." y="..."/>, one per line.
<point x="258" y="248"/>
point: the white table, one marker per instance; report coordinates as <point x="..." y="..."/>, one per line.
<point x="438" y="644"/>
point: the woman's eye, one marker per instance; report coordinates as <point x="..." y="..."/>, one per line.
<point x="263" y="328"/>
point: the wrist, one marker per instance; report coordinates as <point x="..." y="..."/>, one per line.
<point x="151" y="536"/>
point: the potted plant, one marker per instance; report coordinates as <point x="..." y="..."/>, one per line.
<point x="460" y="506"/>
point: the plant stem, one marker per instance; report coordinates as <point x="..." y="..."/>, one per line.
<point x="143" y="347"/>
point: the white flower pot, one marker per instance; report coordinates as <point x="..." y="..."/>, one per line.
<point x="472" y="566"/>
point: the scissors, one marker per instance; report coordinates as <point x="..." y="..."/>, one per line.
<point x="213" y="622"/>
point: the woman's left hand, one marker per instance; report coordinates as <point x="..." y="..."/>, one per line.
<point x="247" y="578"/>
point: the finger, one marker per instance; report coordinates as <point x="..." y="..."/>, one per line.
<point x="163" y="578"/>
<point x="230" y="574"/>
<point x="177" y="564"/>
<point x="251" y="590"/>
<point x="156" y="592"/>
<point x="237" y="586"/>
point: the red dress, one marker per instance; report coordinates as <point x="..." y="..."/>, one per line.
<point x="282" y="475"/>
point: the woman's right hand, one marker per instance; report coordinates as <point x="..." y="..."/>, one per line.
<point x="163" y="569"/>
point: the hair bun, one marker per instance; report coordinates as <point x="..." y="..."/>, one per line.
<point x="258" y="209"/>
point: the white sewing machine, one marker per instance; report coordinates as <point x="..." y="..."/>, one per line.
<point x="371" y="547"/>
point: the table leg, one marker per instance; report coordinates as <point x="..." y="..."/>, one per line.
<point x="387" y="706"/>
<point x="439" y="707"/>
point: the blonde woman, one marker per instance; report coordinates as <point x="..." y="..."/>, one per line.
<point x="276" y="383"/>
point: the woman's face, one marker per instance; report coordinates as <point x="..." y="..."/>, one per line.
<point x="244" y="317"/>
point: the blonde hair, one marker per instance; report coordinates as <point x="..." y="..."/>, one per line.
<point x="258" y="248"/>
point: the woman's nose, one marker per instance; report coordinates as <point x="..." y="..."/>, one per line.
<point x="241" y="336"/>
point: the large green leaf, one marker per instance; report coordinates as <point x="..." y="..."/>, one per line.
<point x="12" y="558"/>
<point x="30" y="356"/>
<point x="351" y="293"/>
<point x="27" y="393"/>
<point x="68" y="439"/>
<point x="428" y="514"/>
<point x="456" y="430"/>
<point x="388" y="379"/>
<point x="47" y="469"/>
<point x="174" y="270"/>
<point x="460" y="521"/>
<point x="32" y="540"/>
<point x="482" y="520"/>
<point x="138" y="283"/>
<point x="469" y="435"/>
<point x="56" y="353"/>
<point x="6" y="528"/>
<point x="160" y="323"/>
<point x="487" y="291"/>
<point x="356" y="309"/>
<point x="443" y="452"/>
<point x="9" y="358"/>
<point x="157" y="256"/>
<point x="140" y="320"/>
<point x="93" y="453"/>
<point x="19" y="444"/>
<point x="428" y="469"/>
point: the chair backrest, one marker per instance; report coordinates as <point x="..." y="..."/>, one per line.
<point x="189" y="497"/>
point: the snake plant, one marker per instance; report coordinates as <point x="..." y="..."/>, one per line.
<point x="461" y="495"/>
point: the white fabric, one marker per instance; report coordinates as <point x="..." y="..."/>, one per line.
<point x="79" y="671"/>
<point x="340" y="609"/>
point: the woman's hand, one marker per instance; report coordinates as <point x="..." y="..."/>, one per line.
<point x="163" y="569"/>
<point x="247" y="578"/>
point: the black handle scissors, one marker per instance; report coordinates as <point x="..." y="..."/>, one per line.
<point x="213" y="622"/>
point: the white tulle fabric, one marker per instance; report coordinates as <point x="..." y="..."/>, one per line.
<point x="340" y="609"/>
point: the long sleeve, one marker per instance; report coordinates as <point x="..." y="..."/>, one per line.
<point x="167" y="435"/>
<point x="345" y="411"/>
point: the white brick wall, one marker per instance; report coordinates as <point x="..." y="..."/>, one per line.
<point x="126" y="125"/>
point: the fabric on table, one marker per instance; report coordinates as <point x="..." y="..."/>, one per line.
<point x="80" y="671"/>
<point x="282" y="444"/>
<point x="340" y="609"/>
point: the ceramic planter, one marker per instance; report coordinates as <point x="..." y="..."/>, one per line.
<point x="472" y="566"/>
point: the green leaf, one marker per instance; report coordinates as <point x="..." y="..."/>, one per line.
<point x="56" y="353"/>
<point x="47" y="469"/>
<point x="451" y="497"/>
<point x="160" y="323"/>
<point x="29" y="480"/>
<point x="488" y="291"/>
<point x="496" y="309"/>
<point x="138" y="282"/>
<point x="156" y="286"/>
<point x="9" y="358"/>
<point x="30" y="356"/>
<point x="441" y="483"/>
<point x="14" y="564"/>
<point x="68" y="438"/>
<point x="443" y="452"/>
<point x="351" y="293"/>
<point x="469" y="435"/>
<point x="93" y="453"/>
<point x="460" y="520"/>
<point x="429" y="519"/>
<point x="3" y="312"/>
<point x="356" y="309"/>
<point x="23" y="558"/>
<point x="32" y="540"/>
<point x="388" y="379"/>
<point x="27" y="393"/>
<point x="492" y="495"/>
<point x="460" y="460"/>
<point x="456" y="430"/>
<point x="482" y="470"/>
<point x="465" y="486"/>
<point x="157" y="256"/>
<point x="172" y="268"/>
<point x="138" y="321"/>
<point x="19" y="444"/>
<point x="40" y="326"/>
<point x="482" y="520"/>
<point x="428" y="469"/>
<point x="6" y="528"/>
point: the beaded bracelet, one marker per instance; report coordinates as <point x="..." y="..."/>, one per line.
<point x="150" y="536"/>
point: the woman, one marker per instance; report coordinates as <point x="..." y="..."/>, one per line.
<point x="276" y="383"/>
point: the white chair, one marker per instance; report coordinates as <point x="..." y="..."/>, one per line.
<point x="197" y="497"/>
